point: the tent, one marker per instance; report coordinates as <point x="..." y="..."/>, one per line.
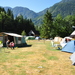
<point x="69" y="47"/>
<point x="72" y="34"/>
<point x="72" y="58"/>
<point x="57" y="39"/>
<point x="64" y="41"/>
<point x="19" y="40"/>
<point x="29" y="37"/>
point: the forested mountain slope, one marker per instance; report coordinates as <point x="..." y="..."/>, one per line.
<point x="64" y="7"/>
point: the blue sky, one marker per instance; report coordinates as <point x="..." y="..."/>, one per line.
<point x="35" y="5"/>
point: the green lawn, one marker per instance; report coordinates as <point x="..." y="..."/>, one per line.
<point x="39" y="59"/>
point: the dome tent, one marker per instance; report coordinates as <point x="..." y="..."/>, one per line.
<point x="69" y="47"/>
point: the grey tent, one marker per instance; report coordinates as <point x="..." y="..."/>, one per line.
<point x="72" y="58"/>
<point x="19" y="40"/>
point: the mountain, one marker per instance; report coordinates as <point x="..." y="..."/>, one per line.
<point x="23" y="11"/>
<point x="64" y="7"/>
<point x="6" y="8"/>
<point x="68" y="0"/>
<point x="27" y="13"/>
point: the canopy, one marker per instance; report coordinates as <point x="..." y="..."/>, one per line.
<point x="13" y="34"/>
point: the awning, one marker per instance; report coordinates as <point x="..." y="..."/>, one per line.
<point x="13" y="34"/>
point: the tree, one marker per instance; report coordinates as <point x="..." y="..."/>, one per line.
<point x="23" y="33"/>
<point x="63" y="26"/>
<point x="9" y="13"/>
<point x="23" y="24"/>
<point x="17" y="25"/>
<point x="3" y="17"/>
<point x="6" y="21"/>
<point x="68" y="22"/>
<point x="47" y="26"/>
<point x="58" y="25"/>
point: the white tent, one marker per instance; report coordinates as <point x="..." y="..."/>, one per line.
<point x="57" y="39"/>
<point x="72" y="34"/>
<point x="63" y="42"/>
<point x="72" y="58"/>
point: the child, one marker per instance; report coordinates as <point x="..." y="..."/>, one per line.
<point x="12" y="44"/>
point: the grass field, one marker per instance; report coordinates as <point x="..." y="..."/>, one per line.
<point x="38" y="59"/>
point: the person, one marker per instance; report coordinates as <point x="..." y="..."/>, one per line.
<point x="12" y="45"/>
<point x="7" y="43"/>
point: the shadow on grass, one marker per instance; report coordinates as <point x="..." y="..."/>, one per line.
<point x="24" y="46"/>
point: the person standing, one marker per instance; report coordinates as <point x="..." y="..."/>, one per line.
<point x="7" y="43"/>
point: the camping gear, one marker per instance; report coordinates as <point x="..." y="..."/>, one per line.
<point x="56" y="41"/>
<point x="54" y="44"/>
<point x="69" y="47"/>
<point x="72" y="58"/>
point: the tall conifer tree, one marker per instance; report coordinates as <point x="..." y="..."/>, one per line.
<point x="47" y="25"/>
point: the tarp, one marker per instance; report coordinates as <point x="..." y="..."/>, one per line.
<point x="69" y="47"/>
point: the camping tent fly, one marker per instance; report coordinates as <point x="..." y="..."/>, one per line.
<point x="69" y="47"/>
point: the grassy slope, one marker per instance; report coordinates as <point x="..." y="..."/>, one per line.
<point x="39" y="59"/>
